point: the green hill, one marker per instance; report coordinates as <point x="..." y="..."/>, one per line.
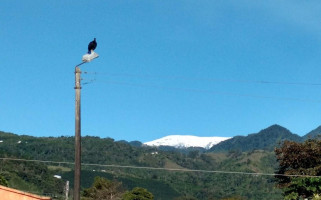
<point x="161" y="170"/>
<point x="165" y="184"/>
<point x="313" y="134"/>
<point x="266" y="139"/>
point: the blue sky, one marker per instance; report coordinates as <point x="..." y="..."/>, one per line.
<point x="165" y="67"/>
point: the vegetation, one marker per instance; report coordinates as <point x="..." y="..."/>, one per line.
<point x="163" y="184"/>
<point x="31" y="177"/>
<point x="303" y="159"/>
<point x="3" y="181"/>
<point x="112" y="190"/>
<point x="103" y="189"/>
<point x="138" y="194"/>
<point x="313" y="134"/>
<point x="267" y="139"/>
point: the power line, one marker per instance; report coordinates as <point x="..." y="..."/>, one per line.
<point x="202" y="90"/>
<point x="211" y="92"/>
<point x="203" y="79"/>
<point x="88" y="81"/>
<point x="165" y="169"/>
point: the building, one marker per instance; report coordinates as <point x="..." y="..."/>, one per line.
<point x="12" y="194"/>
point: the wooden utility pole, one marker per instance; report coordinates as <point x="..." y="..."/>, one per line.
<point x="77" y="135"/>
<point x="67" y="190"/>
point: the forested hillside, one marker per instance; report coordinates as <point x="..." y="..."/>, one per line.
<point x="226" y="171"/>
<point x="208" y="183"/>
<point x="266" y="139"/>
<point x="313" y="134"/>
<point x="32" y="177"/>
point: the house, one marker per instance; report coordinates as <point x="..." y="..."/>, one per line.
<point x="13" y="194"/>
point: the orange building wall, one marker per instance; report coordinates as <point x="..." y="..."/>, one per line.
<point x="12" y="194"/>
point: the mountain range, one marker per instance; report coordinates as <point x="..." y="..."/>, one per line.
<point x="251" y="153"/>
<point x="105" y="157"/>
<point x="266" y="139"/>
<point x="186" y="141"/>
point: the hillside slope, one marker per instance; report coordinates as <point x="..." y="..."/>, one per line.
<point x="266" y="139"/>
<point x="313" y="134"/>
<point x="100" y="152"/>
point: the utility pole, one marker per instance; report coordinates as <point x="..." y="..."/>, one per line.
<point x="86" y="58"/>
<point x="77" y="135"/>
<point x="67" y="190"/>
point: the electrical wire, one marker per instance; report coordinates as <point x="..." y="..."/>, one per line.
<point x="166" y="169"/>
<point x="88" y="81"/>
<point x="211" y="92"/>
<point x="202" y="90"/>
<point x="202" y="79"/>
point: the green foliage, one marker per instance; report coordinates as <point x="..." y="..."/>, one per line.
<point x="164" y="185"/>
<point x="103" y="189"/>
<point x="112" y="190"/>
<point x="313" y="134"/>
<point x="185" y="198"/>
<point x="302" y="159"/>
<point x="31" y="176"/>
<point x="138" y="194"/>
<point x="234" y="198"/>
<point x="3" y="181"/>
<point x="304" y="187"/>
<point x="266" y="139"/>
<point x="160" y="189"/>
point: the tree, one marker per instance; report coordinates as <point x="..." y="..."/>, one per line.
<point x="234" y="198"/>
<point x="302" y="159"/>
<point x="185" y="198"/>
<point x="103" y="189"/>
<point x="3" y="181"/>
<point x="138" y="194"/>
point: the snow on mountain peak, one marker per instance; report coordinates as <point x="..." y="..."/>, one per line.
<point x="185" y="141"/>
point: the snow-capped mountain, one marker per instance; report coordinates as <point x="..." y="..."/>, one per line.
<point x="185" y="141"/>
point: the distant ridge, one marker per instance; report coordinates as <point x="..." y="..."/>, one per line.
<point x="313" y="134"/>
<point x="186" y="141"/>
<point x="266" y="139"/>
